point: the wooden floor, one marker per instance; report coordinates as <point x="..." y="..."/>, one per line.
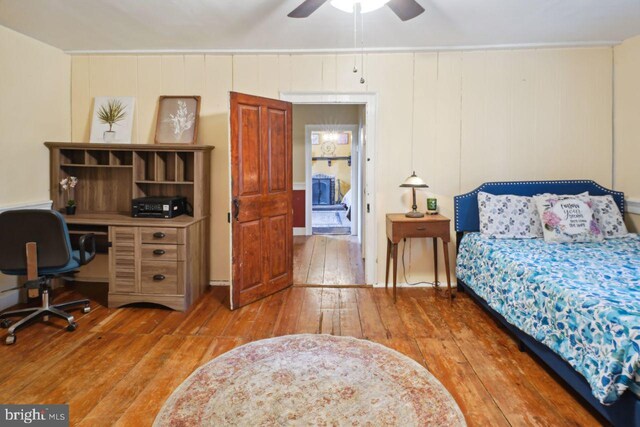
<point x="327" y="260"/>
<point x="121" y="364"/>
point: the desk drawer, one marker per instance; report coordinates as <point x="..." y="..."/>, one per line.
<point x="162" y="277"/>
<point x="160" y="235"/>
<point x="151" y="252"/>
<point x="422" y="229"/>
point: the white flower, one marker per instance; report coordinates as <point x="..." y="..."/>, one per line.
<point x="181" y="121"/>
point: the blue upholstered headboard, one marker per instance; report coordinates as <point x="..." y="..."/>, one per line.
<point x="466" y="205"/>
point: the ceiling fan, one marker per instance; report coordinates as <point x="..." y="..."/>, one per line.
<point x="405" y="9"/>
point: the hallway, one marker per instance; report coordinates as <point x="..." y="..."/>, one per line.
<point x="327" y="260"/>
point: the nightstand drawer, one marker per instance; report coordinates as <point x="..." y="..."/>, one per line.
<point x="158" y="277"/>
<point x="159" y="235"/>
<point x="152" y="252"/>
<point x="420" y="229"/>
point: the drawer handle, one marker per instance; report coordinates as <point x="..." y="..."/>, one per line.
<point x="159" y="235"/>
<point x="158" y="277"/>
<point x="158" y="252"/>
<point x="421" y="228"/>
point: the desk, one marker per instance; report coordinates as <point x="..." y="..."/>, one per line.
<point x="161" y="261"/>
<point x="400" y="227"/>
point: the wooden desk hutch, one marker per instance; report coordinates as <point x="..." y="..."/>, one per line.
<point x="162" y="261"/>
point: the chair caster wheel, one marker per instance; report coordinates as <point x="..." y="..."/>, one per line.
<point x="11" y="339"/>
<point x="72" y="327"/>
<point x="86" y="309"/>
<point x="5" y="323"/>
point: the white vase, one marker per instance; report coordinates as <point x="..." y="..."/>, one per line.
<point x="109" y="135"/>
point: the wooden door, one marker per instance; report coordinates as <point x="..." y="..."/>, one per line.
<point x="262" y="191"/>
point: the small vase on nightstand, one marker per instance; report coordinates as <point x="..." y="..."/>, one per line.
<point x="70" y="210"/>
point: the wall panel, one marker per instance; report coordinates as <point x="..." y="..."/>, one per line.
<point x="473" y="116"/>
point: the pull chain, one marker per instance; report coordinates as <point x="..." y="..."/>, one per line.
<point x="362" y="80"/>
<point x="355" y="39"/>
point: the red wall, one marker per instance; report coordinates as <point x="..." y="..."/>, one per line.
<point x="298" y="208"/>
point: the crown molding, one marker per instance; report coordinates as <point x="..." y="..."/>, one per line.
<point x="516" y="46"/>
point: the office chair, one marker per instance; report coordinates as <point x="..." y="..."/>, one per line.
<point x="38" y="240"/>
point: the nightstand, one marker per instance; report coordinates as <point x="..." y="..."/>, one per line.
<point x="400" y="227"/>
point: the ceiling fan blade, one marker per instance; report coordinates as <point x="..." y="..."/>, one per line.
<point x="405" y="9"/>
<point x="306" y="8"/>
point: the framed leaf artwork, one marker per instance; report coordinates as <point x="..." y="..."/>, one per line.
<point x="177" y="121"/>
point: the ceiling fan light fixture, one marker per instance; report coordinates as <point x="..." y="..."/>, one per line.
<point x="365" y="5"/>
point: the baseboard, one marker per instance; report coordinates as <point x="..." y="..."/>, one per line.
<point x="422" y="285"/>
<point x="9" y="298"/>
<point x="218" y="283"/>
<point x="298" y="186"/>
<point x="299" y="231"/>
<point x="633" y="205"/>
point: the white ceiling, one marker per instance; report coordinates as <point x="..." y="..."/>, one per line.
<point x="255" y="25"/>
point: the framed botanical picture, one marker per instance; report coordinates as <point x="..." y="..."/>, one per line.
<point x="112" y="119"/>
<point x="177" y="121"/>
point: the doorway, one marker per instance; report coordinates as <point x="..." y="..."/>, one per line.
<point x="328" y="141"/>
<point x="332" y="164"/>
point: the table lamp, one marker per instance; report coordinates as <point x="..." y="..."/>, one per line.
<point x="414" y="182"/>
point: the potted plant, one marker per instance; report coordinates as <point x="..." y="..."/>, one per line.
<point x="68" y="184"/>
<point x="111" y="114"/>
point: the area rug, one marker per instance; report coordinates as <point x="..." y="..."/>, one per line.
<point x="311" y="380"/>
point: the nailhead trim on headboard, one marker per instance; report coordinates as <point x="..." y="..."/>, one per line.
<point x="519" y="183"/>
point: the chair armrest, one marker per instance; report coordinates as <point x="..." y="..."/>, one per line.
<point x="87" y="246"/>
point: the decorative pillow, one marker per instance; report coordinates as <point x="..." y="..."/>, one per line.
<point x="608" y="217"/>
<point x="508" y="216"/>
<point x="567" y="218"/>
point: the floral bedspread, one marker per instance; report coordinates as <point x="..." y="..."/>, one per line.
<point x="582" y="300"/>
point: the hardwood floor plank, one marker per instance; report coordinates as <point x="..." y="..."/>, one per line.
<point x="302" y="252"/>
<point x="310" y="314"/>
<point x="318" y="259"/>
<point x="389" y="313"/>
<point x="268" y="316"/>
<point x="288" y="317"/>
<point x="87" y="394"/>
<point x="57" y="378"/>
<point x="198" y="315"/>
<point x="370" y="320"/>
<point x="111" y="407"/>
<point x="447" y="363"/>
<point x="355" y="260"/>
<point x="244" y="320"/>
<point x="330" y="311"/>
<point x="349" y="314"/>
<point x="185" y="359"/>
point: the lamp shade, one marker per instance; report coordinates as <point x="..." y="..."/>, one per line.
<point x="414" y="181"/>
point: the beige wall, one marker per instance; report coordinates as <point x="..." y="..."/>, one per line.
<point x="316" y="115"/>
<point x="473" y="116"/>
<point x="627" y="122"/>
<point x="34" y="107"/>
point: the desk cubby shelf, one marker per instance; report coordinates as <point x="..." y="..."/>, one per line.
<point x="110" y="175"/>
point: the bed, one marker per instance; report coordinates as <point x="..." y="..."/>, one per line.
<point x="575" y="306"/>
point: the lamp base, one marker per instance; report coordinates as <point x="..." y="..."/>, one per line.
<point x="414" y="214"/>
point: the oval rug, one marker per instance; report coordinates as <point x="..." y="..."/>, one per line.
<point x="311" y="380"/>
